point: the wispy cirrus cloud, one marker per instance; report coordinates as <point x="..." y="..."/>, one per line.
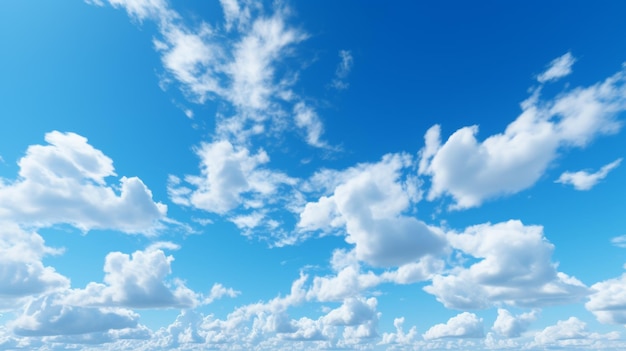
<point x="343" y="70"/>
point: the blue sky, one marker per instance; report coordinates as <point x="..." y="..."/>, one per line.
<point x="237" y="175"/>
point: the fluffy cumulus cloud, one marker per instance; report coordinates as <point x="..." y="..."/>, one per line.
<point x="369" y="202"/>
<point x="571" y="333"/>
<point x="136" y="281"/>
<point x="583" y="180"/>
<point x="513" y="266"/>
<point x="464" y="325"/>
<point x="22" y="272"/>
<point x="472" y="171"/>
<point x="608" y="301"/>
<point x="64" y="182"/>
<point x="512" y="326"/>
<point x="233" y="178"/>
<point x="353" y="311"/>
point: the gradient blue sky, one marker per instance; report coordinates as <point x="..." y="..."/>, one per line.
<point x="322" y="175"/>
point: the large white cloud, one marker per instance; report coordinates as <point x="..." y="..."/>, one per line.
<point x="22" y="272"/>
<point x="64" y="182"/>
<point x="472" y="171"/>
<point x="136" y="281"/>
<point x="370" y="205"/>
<point x="514" y="267"/>
<point x="464" y="325"/>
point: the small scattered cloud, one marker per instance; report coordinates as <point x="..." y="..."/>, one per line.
<point x="583" y="180"/>
<point x="343" y="70"/>
<point x="218" y="291"/>
<point x="619" y="241"/>
<point x="558" y="68"/>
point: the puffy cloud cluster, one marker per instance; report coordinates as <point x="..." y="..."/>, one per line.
<point x="136" y="281"/>
<point x="368" y="202"/>
<point x="232" y="178"/>
<point x="512" y="326"/>
<point x="570" y="333"/>
<point x="472" y="171"/>
<point x="64" y="182"/>
<point x="514" y="267"/>
<point x="464" y="325"/>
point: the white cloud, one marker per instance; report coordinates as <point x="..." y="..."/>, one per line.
<point x="608" y="301"/>
<point x="47" y="316"/>
<point x="370" y="203"/>
<point x="571" y="333"/>
<point x="472" y="171"/>
<point x="353" y="311"/>
<point x="252" y="69"/>
<point x="142" y="9"/>
<point x="64" y="182"/>
<point x="464" y="325"/>
<point x="232" y="178"/>
<point x="583" y="180"/>
<point x="558" y="68"/>
<point x="414" y="272"/>
<point x="400" y="337"/>
<point x="136" y="281"/>
<point x="512" y="326"/>
<point x="306" y="118"/>
<point x="21" y="271"/>
<point x="619" y="241"/>
<point x="242" y="71"/>
<point x="520" y="274"/>
<point x="235" y="13"/>
<point x="218" y="291"/>
<point x="343" y="69"/>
